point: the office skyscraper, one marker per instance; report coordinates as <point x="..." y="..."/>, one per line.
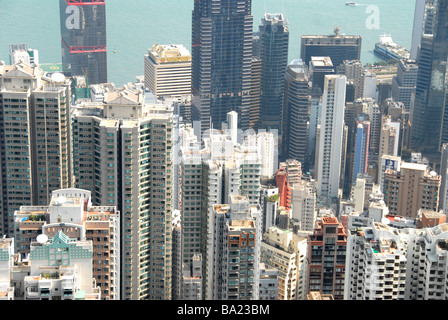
<point x="274" y="41"/>
<point x="221" y="61"/>
<point x="337" y="46"/>
<point x="296" y="110"/>
<point x="430" y="121"/>
<point x="83" y="39"/>
<point x="255" y="93"/>
<point x="168" y="71"/>
<point x="443" y="198"/>
<point x="418" y="27"/>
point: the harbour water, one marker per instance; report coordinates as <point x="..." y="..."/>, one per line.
<point x="133" y="26"/>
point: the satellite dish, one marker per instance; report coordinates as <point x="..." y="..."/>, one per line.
<point x="58" y="77"/>
<point x="61" y="199"/>
<point x="42" y="238"/>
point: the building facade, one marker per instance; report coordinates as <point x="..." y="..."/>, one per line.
<point x="410" y="189"/>
<point x="123" y="148"/>
<point x="71" y="211"/>
<point x="296" y="112"/>
<point x="221" y="44"/>
<point x="274" y="44"/>
<point x="285" y="251"/>
<point x="331" y="137"/>
<point x="429" y="129"/>
<point x="337" y="46"/>
<point x="326" y="258"/>
<point x="168" y="71"/>
<point x="35" y="135"/>
<point x="84" y="39"/>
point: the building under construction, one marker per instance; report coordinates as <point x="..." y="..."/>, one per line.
<point x="83" y="33"/>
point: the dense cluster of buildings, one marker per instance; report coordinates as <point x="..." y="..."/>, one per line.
<point x="225" y="173"/>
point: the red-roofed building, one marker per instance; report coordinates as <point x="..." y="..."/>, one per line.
<point x="326" y="258"/>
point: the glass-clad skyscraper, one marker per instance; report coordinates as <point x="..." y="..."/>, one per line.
<point x="221" y="61"/>
<point x="274" y="41"/>
<point x="83" y="39"/>
<point x="429" y="118"/>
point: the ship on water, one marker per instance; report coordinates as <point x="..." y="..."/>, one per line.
<point x="387" y="49"/>
<point x="350" y="3"/>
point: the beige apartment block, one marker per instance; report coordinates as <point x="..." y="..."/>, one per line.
<point x="286" y="251"/>
<point x="123" y="151"/>
<point x="35" y="130"/>
<point x="410" y="189"/>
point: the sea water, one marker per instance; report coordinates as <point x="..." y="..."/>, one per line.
<point x="133" y="26"/>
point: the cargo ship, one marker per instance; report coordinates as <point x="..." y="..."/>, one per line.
<point x="386" y="49"/>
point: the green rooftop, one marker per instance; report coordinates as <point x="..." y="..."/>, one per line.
<point x="51" y="67"/>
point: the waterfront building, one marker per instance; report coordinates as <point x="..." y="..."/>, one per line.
<point x="84" y="39"/>
<point x="168" y="71"/>
<point x="221" y="44"/>
<point x="338" y="47"/>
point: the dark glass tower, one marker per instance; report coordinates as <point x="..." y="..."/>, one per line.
<point x="83" y="39"/>
<point x="221" y="61"/>
<point x="274" y="41"/>
<point x="337" y="46"/>
<point x="430" y="118"/>
<point x="296" y="112"/>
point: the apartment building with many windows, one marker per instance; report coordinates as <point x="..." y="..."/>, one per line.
<point x="35" y="138"/>
<point x="123" y="151"/>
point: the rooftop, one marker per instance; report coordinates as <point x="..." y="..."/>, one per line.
<point x="321" y="62"/>
<point x="169" y="53"/>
